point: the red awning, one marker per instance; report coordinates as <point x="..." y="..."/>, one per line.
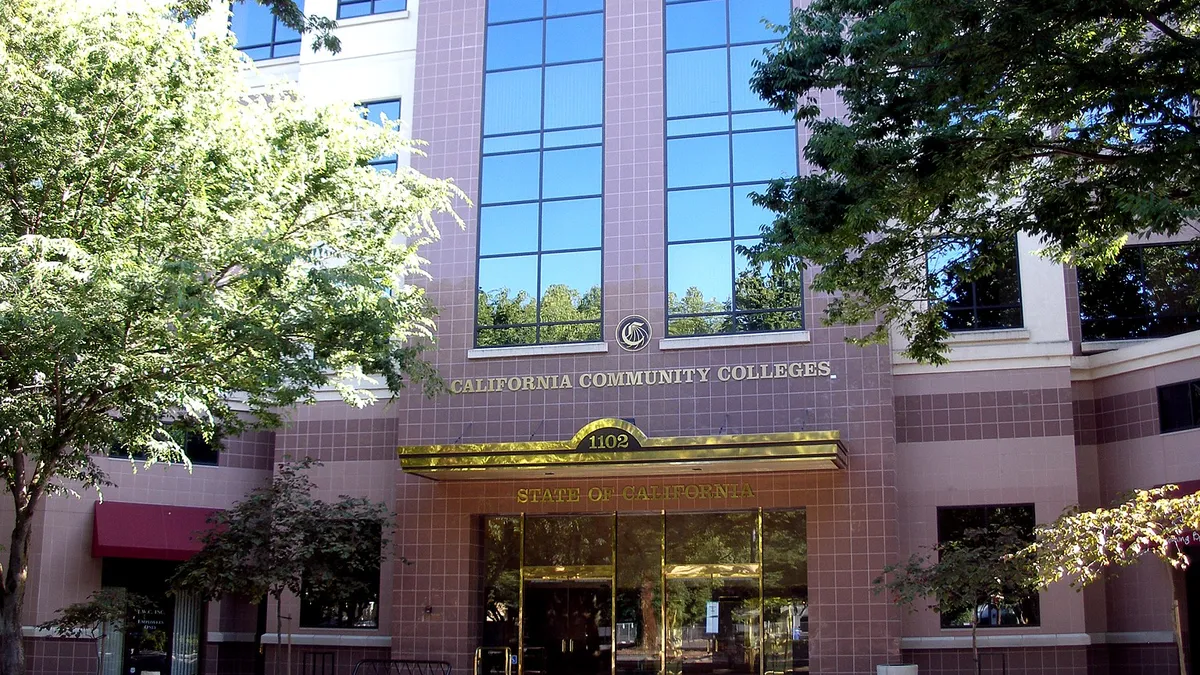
<point x="149" y="531"/>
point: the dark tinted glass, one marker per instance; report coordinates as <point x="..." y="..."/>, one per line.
<point x="568" y="540"/>
<point x="1178" y="406"/>
<point x="1148" y="292"/>
<point x="355" y="605"/>
<point x="960" y="524"/>
<point x="639" y="593"/>
<point x="501" y="581"/>
<point x="711" y="538"/>
<point x="785" y="590"/>
<point x="976" y="300"/>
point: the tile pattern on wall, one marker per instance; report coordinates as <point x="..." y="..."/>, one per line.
<point x="1120" y="417"/>
<point x="1027" y="661"/>
<point x="54" y="656"/>
<point x="251" y="450"/>
<point x="1027" y="413"/>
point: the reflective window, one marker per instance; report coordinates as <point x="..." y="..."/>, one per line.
<point x="541" y="210"/>
<point x="965" y="523"/>
<point x="723" y="143"/>
<point x="1179" y="406"/>
<point x="351" y="8"/>
<point x="259" y="34"/>
<point x="1148" y="292"/>
<point x="975" y="302"/>
<point x="378" y="112"/>
<point x="354" y="604"/>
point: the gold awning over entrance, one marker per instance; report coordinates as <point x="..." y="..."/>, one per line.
<point x="613" y="447"/>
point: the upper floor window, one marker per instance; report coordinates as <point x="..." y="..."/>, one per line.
<point x="723" y="142"/>
<point x="354" y="603"/>
<point x="964" y="523"/>
<point x="540" y="205"/>
<point x="259" y="34"/>
<point x="1179" y="406"/>
<point x="1148" y="292"/>
<point x="377" y="111"/>
<point x="195" y="448"/>
<point x="352" y="8"/>
<point x="973" y="301"/>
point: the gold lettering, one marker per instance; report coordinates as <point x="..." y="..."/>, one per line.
<point x="691" y="491"/>
<point x="514" y="384"/>
<point x="456" y="386"/>
<point x="527" y="382"/>
<point x="746" y="491"/>
<point x="722" y="491"/>
<point x="795" y="370"/>
<point x="706" y="491"/>
<point x="722" y="373"/>
<point x="823" y="368"/>
<point x="612" y="379"/>
<point x="543" y="382"/>
<point x="703" y="372"/>
<point x="810" y="368"/>
<point x="595" y="494"/>
<point x="627" y="493"/>
<point x="566" y="382"/>
<point x="573" y="494"/>
<point x="780" y="370"/>
<point x="609" y="493"/>
<point x="585" y="380"/>
<point x="522" y="496"/>
<point x="634" y="378"/>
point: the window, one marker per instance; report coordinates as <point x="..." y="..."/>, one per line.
<point x="259" y="34"/>
<point x="376" y="111"/>
<point x="195" y="448"/>
<point x="1179" y="406"/>
<point x="960" y="523"/>
<point x="1148" y="292"/>
<point x="540" y="205"/>
<point x="975" y="302"/>
<point x="351" y="8"/>
<point x="723" y="143"/>
<point x="354" y="603"/>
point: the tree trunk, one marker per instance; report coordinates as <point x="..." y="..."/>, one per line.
<point x="12" y="597"/>
<point x="975" y="641"/>
<point x="278" y="632"/>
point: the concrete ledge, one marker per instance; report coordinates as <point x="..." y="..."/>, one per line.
<point x="35" y="632"/>
<point x="219" y="636"/>
<point x="1135" y="637"/>
<point x="1027" y="640"/>
<point x="330" y="640"/>
<point x="538" y="350"/>
<point x="372" y="18"/>
<point x="968" y="337"/>
<point x="739" y="340"/>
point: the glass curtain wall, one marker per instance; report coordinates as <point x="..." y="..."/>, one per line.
<point x="723" y="143"/>
<point x="540" y="204"/>
<point x="694" y="593"/>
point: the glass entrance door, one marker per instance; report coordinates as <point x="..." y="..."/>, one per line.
<point x="568" y="627"/>
<point x="712" y="625"/>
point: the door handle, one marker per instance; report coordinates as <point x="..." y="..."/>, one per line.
<point x="564" y="646"/>
<point x="571" y="642"/>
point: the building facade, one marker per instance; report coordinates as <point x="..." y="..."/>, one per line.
<point x="655" y="458"/>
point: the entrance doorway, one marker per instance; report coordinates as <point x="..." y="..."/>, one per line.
<point x="711" y="593"/>
<point x="568" y="627"/>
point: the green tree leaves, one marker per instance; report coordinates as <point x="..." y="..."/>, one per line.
<point x="1074" y="122"/>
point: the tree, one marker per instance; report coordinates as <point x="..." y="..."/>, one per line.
<point x="1081" y="545"/>
<point x="171" y="241"/>
<point x="985" y="567"/>
<point x="961" y="124"/>
<point x="289" y="13"/>
<point x="280" y="538"/>
<point x="106" y="610"/>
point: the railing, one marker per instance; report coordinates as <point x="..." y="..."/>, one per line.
<point x="400" y="667"/>
<point x="509" y="661"/>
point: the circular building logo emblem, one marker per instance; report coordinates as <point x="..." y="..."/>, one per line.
<point x="633" y="333"/>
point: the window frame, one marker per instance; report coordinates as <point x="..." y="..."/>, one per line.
<point x="371" y="5"/>
<point x="374" y="583"/>
<point x="990" y="511"/>
<point x="1191" y="390"/>
<point x="391" y="162"/>
<point x="1155" y="331"/>
<point x="732" y="318"/>
<point x="540" y="150"/>
<point x="974" y="308"/>
<point x="274" y="43"/>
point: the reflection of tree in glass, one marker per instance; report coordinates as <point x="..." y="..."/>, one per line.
<point x="639" y="577"/>
<point x="757" y="290"/>
<point x="785" y="588"/>
<point x="506" y="318"/>
<point x="502" y="573"/>
<point x="978" y="282"/>
<point x="568" y="540"/>
<point x="1149" y="291"/>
